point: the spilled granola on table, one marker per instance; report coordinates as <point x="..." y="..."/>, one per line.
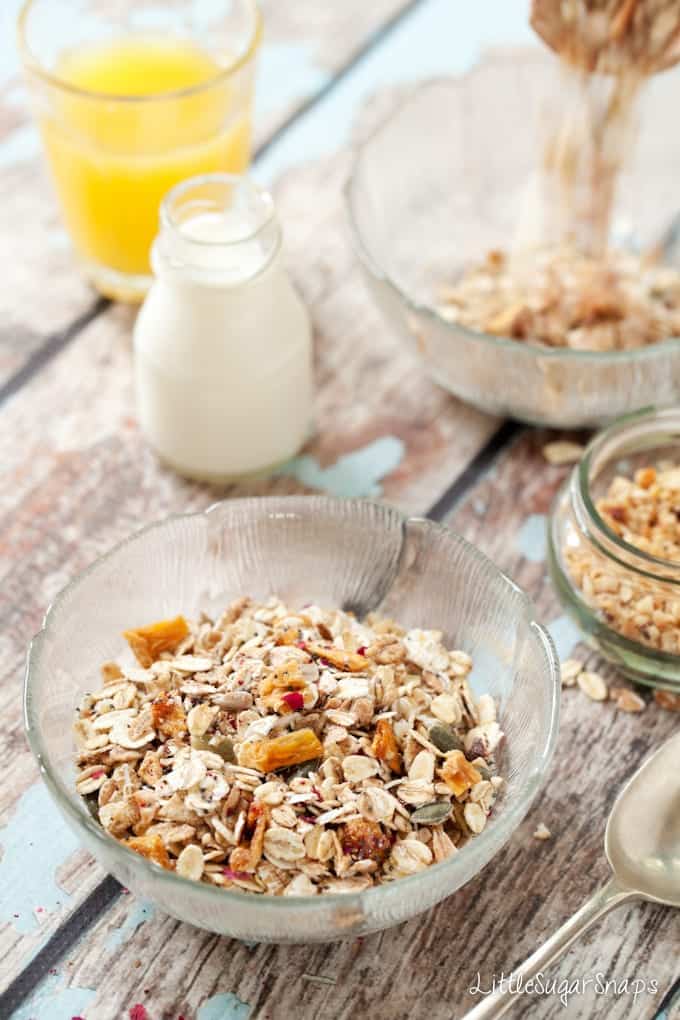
<point x="289" y="752"/>
<point x="644" y="511"/>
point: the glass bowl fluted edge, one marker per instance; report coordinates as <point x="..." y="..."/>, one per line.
<point x="265" y="916"/>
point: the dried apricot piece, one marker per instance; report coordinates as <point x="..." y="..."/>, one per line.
<point x="458" y="774"/>
<point x="275" y="687"/>
<point x="385" y="746"/>
<point x="350" y="662"/>
<point x="168" y="717"/>
<point x="289" y="749"/>
<point x="151" y="847"/>
<point x="287" y="636"/>
<point x="148" y="642"/>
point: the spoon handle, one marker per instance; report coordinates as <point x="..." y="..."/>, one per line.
<point x="501" y="999"/>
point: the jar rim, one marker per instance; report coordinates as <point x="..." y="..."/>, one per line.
<point x="608" y="444"/>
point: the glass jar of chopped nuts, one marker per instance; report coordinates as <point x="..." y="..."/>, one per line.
<point x="614" y="545"/>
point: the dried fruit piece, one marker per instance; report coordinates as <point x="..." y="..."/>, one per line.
<point x="458" y="773"/>
<point x="363" y="840"/>
<point x="167" y="716"/>
<point x="350" y="662"/>
<point x="385" y="746"/>
<point x="284" y="680"/>
<point x="149" y="642"/>
<point x="151" y="847"/>
<point x="280" y="752"/>
<point x="294" y="700"/>
<point x="287" y="636"/>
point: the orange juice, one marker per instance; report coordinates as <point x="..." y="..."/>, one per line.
<point x="133" y="117"/>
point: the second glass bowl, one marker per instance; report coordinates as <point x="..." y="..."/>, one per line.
<point x="626" y="602"/>
<point x="441" y="182"/>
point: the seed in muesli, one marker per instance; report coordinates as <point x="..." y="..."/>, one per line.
<point x="289" y="752"/>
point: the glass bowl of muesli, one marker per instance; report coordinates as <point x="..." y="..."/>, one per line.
<point x="614" y="545"/>
<point x="447" y="212"/>
<point x="228" y="714"/>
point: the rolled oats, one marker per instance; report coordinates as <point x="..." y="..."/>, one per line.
<point x="288" y="753"/>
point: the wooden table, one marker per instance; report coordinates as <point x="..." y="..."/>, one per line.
<point x="77" y="478"/>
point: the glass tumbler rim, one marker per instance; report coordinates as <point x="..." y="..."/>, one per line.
<point x="495" y="836"/>
<point x="33" y="65"/>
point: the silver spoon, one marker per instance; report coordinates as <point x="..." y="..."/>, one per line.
<point x="642" y="843"/>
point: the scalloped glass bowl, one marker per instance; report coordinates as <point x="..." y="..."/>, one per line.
<point x="354" y="554"/>
<point x="447" y="177"/>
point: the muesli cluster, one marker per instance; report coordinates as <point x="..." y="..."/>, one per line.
<point x="563" y="298"/>
<point x="289" y="752"/>
<point x="643" y="511"/>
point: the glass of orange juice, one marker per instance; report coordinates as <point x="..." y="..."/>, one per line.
<point x="133" y="96"/>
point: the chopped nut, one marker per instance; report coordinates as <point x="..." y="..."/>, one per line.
<point x="593" y="685"/>
<point x="667" y="700"/>
<point x="562" y="451"/>
<point x="542" y="832"/>
<point x="627" y="700"/>
<point x="570" y="671"/>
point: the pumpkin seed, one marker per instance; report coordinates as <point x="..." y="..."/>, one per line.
<point x="302" y="770"/>
<point x="224" y="746"/>
<point x="444" y="739"/>
<point x="92" y="804"/>
<point x="434" y="813"/>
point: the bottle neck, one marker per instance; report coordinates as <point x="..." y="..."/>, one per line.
<point x="218" y="231"/>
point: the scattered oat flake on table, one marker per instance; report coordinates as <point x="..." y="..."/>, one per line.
<point x="627" y="700"/>
<point x="562" y="451"/>
<point x="593" y="685"/>
<point x="542" y="832"/>
<point x="667" y="700"/>
<point x="570" y="671"/>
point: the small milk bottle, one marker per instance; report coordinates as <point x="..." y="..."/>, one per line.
<point x="222" y="344"/>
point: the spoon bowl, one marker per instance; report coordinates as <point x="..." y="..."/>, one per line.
<point x="642" y="841"/>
